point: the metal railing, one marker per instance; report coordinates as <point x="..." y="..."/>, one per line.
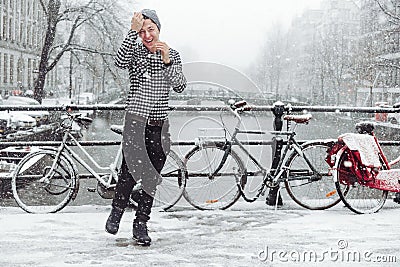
<point x="278" y="110"/>
<point x="286" y="108"/>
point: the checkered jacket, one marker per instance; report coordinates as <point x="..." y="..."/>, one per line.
<point x="151" y="81"/>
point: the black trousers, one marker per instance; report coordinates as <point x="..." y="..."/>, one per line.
<point x="145" y="149"/>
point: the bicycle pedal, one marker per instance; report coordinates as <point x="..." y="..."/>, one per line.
<point x="91" y="189"/>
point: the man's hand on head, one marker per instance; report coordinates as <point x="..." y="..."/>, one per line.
<point x="137" y="21"/>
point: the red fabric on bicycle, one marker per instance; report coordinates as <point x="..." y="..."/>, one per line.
<point x="352" y="168"/>
<point x="365" y="145"/>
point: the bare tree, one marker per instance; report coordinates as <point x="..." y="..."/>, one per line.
<point x="60" y="38"/>
<point x="268" y="70"/>
<point x="389" y="8"/>
<point x="390" y="30"/>
<point x="380" y="48"/>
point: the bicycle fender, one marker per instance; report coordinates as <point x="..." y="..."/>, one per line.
<point x="74" y="169"/>
<point x="335" y="167"/>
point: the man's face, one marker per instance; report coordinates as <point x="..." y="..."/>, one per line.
<point x="149" y="34"/>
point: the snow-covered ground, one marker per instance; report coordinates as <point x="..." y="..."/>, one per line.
<point x="248" y="234"/>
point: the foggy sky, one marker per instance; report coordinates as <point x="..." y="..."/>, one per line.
<point x="221" y="31"/>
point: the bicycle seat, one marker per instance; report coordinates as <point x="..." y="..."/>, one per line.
<point x="303" y="118"/>
<point x="365" y="127"/>
<point x="118" y="129"/>
<point x="240" y="106"/>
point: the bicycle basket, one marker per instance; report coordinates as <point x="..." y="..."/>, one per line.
<point x="362" y="156"/>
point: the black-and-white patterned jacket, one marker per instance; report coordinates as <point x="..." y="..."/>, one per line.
<point x="150" y="79"/>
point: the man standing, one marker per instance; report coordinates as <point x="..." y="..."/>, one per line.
<point x="154" y="69"/>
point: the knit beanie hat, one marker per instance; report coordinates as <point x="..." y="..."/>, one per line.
<point x="151" y="14"/>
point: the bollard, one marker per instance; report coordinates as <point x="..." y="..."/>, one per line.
<point x="278" y="109"/>
<point x="277" y="143"/>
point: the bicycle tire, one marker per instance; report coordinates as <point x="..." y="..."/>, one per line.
<point x="314" y="195"/>
<point x="33" y="193"/>
<point x="210" y="193"/>
<point x="173" y="183"/>
<point x="172" y="186"/>
<point x="359" y="198"/>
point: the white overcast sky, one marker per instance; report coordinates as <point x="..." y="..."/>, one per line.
<point x="222" y="31"/>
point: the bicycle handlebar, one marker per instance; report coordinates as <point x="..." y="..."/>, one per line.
<point x="237" y="108"/>
<point x="241" y="106"/>
<point x="75" y="117"/>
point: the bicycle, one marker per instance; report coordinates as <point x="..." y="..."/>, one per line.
<point x="45" y="181"/>
<point x="217" y="175"/>
<point x="361" y="171"/>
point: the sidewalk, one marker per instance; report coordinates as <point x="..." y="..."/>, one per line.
<point x="245" y="235"/>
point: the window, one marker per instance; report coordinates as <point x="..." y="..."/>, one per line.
<point x="21" y="31"/>
<point x="23" y="9"/>
<point x="29" y="35"/>
<point x="5" y="28"/>
<point x="2" y="9"/>
<point x="11" y="69"/>
<point x="33" y="33"/>
<point x="17" y="19"/>
<point x="5" y="68"/>
<point x="20" y="71"/>
<point x="1" y="69"/>
<point x="29" y="72"/>
<point x="9" y="29"/>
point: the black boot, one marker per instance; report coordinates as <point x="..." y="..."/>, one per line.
<point x="271" y="198"/>
<point x="112" y="224"/>
<point x="396" y="198"/>
<point x="140" y="233"/>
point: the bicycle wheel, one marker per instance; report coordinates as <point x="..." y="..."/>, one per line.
<point x="359" y="198"/>
<point x="39" y="189"/>
<point x="207" y="192"/>
<point x="173" y="183"/>
<point x="303" y="186"/>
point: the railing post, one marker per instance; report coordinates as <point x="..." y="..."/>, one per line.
<point x="277" y="141"/>
<point x="277" y="144"/>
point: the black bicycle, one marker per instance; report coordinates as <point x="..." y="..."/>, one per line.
<point x="217" y="175"/>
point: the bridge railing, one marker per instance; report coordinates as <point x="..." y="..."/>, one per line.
<point x="278" y="109"/>
<point x="286" y="108"/>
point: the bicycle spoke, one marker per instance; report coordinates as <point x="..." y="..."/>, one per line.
<point x="206" y="190"/>
<point x="38" y="188"/>
<point x="173" y="183"/>
<point x="309" y="189"/>
<point x="358" y="198"/>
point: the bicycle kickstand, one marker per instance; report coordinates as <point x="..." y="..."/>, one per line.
<point x="278" y="197"/>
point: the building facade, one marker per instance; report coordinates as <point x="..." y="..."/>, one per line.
<point x="323" y="43"/>
<point x="22" y="30"/>
<point x="380" y="48"/>
<point x="347" y="52"/>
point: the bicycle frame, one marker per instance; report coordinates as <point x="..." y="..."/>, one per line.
<point x="271" y="178"/>
<point x="52" y="174"/>
<point x="112" y="170"/>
